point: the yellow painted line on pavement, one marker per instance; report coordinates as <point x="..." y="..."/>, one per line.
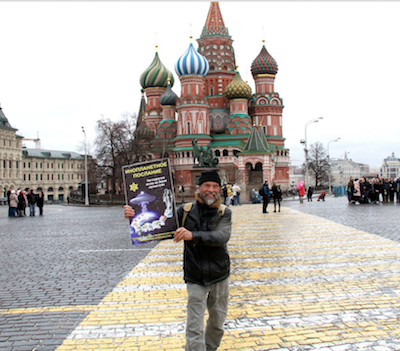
<point x="48" y="309"/>
<point x="343" y="279"/>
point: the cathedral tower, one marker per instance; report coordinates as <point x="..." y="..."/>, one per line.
<point x="215" y="44"/>
<point x="192" y="106"/>
<point x="154" y="81"/>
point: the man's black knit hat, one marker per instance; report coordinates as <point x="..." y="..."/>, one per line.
<point x="209" y="176"/>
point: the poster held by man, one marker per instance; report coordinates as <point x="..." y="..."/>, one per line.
<point x="149" y="191"/>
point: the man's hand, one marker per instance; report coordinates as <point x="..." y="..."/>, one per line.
<point x="182" y="234"/>
<point x="129" y="211"/>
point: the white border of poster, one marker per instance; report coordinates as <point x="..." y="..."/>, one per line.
<point x="149" y="191"/>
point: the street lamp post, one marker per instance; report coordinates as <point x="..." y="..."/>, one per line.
<point x="329" y="164"/>
<point x="86" y="173"/>
<point x="305" y="148"/>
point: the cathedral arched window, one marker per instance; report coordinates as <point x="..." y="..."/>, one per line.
<point x="217" y="153"/>
<point x="225" y="152"/>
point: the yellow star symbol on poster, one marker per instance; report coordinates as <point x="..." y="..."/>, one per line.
<point x="133" y="187"/>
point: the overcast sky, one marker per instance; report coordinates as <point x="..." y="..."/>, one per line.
<point x="63" y="65"/>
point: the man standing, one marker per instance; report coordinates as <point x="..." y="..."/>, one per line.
<point x="8" y="200"/>
<point x="205" y="229"/>
<point x="32" y="202"/>
<point x="265" y="193"/>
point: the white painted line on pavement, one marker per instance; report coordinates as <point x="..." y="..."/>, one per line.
<point x="116" y="250"/>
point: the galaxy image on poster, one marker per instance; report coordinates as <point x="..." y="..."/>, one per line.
<point x="150" y="192"/>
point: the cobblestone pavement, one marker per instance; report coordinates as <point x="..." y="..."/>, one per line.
<point x="381" y="219"/>
<point x="300" y="281"/>
<point x="56" y="268"/>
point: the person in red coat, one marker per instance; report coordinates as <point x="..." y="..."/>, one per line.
<point x="302" y="192"/>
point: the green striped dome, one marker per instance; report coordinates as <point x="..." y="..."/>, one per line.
<point x="156" y="75"/>
<point x="237" y="89"/>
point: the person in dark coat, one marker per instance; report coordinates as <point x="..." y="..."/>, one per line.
<point x="32" y="202"/>
<point x="22" y="203"/>
<point x="8" y="201"/>
<point x="40" y="202"/>
<point x="205" y="230"/>
<point x="309" y="193"/>
<point x="386" y="190"/>
<point x="350" y="190"/>
<point x="265" y="192"/>
<point x="277" y="194"/>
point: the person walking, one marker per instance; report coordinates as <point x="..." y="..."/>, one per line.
<point x="302" y="192"/>
<point x="277" y="194"/>
<point x="40" y="202"/>
<point x="265" y="192"/>
<point x="205" y="230"/>
<point x="309" y="193"/>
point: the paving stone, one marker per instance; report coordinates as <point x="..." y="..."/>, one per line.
<point x="310" y="274"/>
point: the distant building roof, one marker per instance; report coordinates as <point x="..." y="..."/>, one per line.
<point x="4" y="121"/>
<point x="391" y="158"/>
<point x="42" y="153"/>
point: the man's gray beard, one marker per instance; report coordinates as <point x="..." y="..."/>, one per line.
<point x="209" y="202"/>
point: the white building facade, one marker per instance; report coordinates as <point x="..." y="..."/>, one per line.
<point x="55" y="173"/>
<point x="390" y="167"/>
<point x="343" y="169"/>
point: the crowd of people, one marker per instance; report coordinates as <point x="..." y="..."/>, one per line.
<point x="231" y="194"/>
<point x="373" y="190"/>
<point x="18" y="200"/>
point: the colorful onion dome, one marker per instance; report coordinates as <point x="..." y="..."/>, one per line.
<point x="168" y="97"/>
<point x="191" y="62"/>
<point x="237" y="89"/>
<point x="156" y="75"/>
<point x="264" y="63"/>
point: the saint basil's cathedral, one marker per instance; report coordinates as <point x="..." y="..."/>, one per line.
<point x="216" y="113"/>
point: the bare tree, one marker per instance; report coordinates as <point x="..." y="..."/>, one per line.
<point x="318" y="163"/>
<point x="119" y="144"/>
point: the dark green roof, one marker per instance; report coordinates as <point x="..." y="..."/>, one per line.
<point x="257" y="142"/>
<point x="239" y="143"/>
